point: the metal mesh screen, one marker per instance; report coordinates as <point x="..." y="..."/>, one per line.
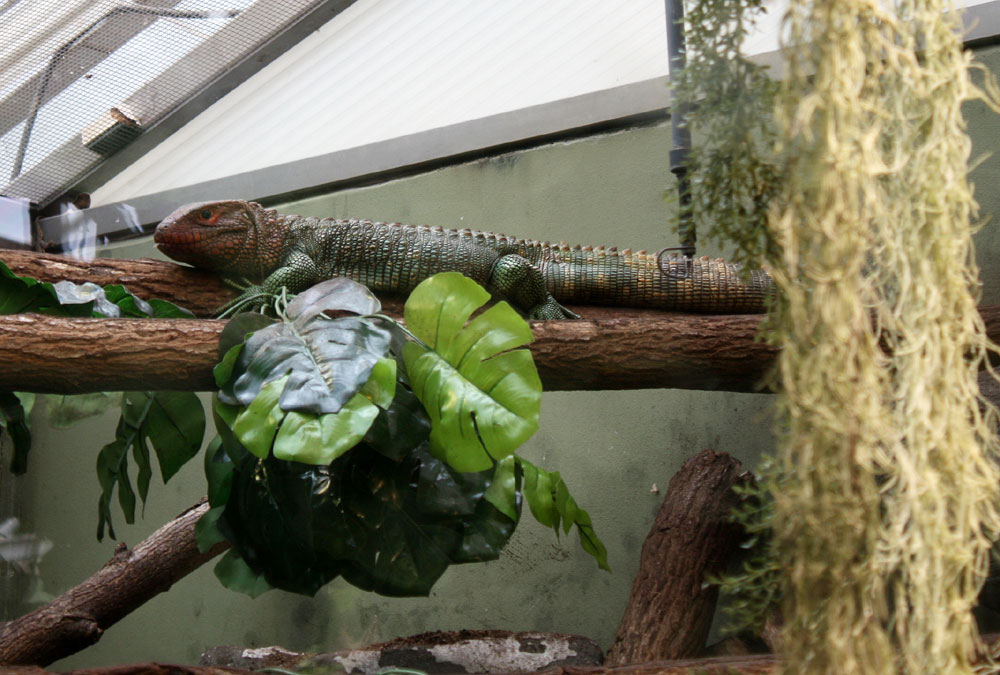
<point x="80" y="79"/>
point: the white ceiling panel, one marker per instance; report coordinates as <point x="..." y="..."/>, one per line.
<point x="388" y="68"/>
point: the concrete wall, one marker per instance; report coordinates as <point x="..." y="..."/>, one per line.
<point x="612" y="447"/>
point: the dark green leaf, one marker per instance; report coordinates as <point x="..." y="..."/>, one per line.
<point x="224" y="417"/>
<point x="218" y="472"/>
<point x="237" y="329"/>
<point x="14" y="421"/>
<point x="65" y="298"/>
<point x="485" y="534"/>
<point x="223" y="370"/>
<point x="401" y="427"/>
<point x="140" y="452"/>
<point x="236" y="575"/>
<point x="173" y="422"/>
<point x="24" y="294"/>
<point x="384" y="525"/>
<point x="206" y="530"/>
<point x="110" y="469"/>
<point x="176" y="427"/>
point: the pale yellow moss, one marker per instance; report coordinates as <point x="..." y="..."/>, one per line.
<point x="889" y="487"/>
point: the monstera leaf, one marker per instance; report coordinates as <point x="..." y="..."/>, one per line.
<point x="325" y="360"/>
<point x="481" y="393"/>
<point x="310" y="387"/>
<point x="172" y="422"/>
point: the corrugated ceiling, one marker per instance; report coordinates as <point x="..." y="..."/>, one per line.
<point x="79" y="80"/>
<point x="387" y="68"/>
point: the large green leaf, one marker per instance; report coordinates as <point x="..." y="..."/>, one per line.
<point x="481" y="392"/>
<point x="172" y="422"/>
<point x="327" y="360"/>
<point x="236" y="575"/>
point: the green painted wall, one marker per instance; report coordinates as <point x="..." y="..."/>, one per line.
<point x="616" y="450"/>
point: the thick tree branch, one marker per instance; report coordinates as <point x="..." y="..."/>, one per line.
<point x="59" y="355"/>
<point x="670" y="609"/>
<point x="612" y="349"/>
<point x="78" y="617"/>
<point x="200" y="292"/>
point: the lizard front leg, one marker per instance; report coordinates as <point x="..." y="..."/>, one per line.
<point x="297" y="274"/>
<point x="514" y="277"/>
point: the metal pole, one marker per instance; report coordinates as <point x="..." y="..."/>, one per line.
<point x="679" y="132"/>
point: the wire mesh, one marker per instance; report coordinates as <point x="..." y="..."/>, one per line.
<point x="79" y="80"/>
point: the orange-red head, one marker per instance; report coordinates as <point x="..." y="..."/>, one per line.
<point x="220" y="236"/>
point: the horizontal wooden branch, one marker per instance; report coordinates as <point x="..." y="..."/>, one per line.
<point x="612" y="348"/>
<point x="59" y="355"/>
<point x="201" y="292"/>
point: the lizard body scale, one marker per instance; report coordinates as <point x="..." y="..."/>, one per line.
<point x="243" y="240"/>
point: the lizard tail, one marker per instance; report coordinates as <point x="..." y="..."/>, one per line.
<point x="626" y="278"/>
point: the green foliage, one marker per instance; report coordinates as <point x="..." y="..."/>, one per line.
<point x="753" y="589"/>
<point x="65" y="298"/>
<point x="551" y="504"/>
<point x="172" y="422"/>
<point x="384" y="525"/>
<point x="383" y="488"/>
<point x="483" y="394"/>
<point x="327" y="462"/>
<point x="326" y="360"/>
<point x="734" y="168"/>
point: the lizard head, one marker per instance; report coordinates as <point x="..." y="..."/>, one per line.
<point x="219" y="236"/>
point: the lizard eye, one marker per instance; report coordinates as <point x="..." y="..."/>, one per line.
<point x="206" y="214"/>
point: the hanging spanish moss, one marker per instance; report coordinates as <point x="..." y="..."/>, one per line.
<point x="889" y="487"/>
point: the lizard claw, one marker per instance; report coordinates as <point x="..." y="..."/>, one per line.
<point x="550" y="309"/>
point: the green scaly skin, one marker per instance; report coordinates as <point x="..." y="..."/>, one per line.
<point x="244" y="241"/>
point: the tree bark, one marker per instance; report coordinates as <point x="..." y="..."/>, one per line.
<point x="79" y="617"/>
<point x="196" y="290"/>
<point x="670" y="610"/>
<point x="60" y="355"/>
